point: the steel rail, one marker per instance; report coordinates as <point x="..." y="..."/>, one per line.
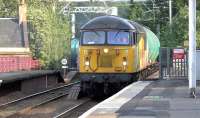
<point x="39" y="104"/>
<point x="39" y="93"/>
<point x="61" y="115"/>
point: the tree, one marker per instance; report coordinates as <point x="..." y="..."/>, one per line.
<point x="170" y="36"/>
<point x="8" y="8"/>
<point x="49" y="32"/>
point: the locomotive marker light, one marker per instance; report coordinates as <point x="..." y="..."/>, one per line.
<point x="64" y="66"/>
<point x="87" y="63"/>
<point x="192" y="47"/>
<point x="124" y="63"/>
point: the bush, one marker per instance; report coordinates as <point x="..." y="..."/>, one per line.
<point x="49" y="32"/>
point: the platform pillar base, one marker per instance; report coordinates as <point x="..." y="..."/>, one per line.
<point x="192" y="92"/>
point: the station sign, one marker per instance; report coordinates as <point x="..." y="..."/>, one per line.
<point x="64" y="61"/>
<point x="64" y="67"/>
<point x="178" y="53"/>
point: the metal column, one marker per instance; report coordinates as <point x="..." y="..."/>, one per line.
<point x="23" y="22"/>
<point x="192" y="46"/>
<point x="170" y="12"/>
<point x="73" y="20"/>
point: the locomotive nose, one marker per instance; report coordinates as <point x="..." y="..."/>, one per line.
<point x="106" y="59"/>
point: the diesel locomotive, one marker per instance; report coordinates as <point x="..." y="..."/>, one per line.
<point x="114" y="52"/>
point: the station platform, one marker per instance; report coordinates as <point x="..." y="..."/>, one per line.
<point x="29" y="81"/>
<point x="9" y="77"/>
<point x="150" y="99"/>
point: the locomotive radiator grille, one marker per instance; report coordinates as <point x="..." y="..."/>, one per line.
<point x="105" y="61"/>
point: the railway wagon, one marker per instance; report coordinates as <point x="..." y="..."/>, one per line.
<point x="114" y="52"/>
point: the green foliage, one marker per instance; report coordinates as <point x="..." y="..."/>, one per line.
<point x="179" y="30"/>
<point x="136" y="11"/>
<point x="49" y="32"/>
<point x="8" y="8"/>
<point x="180" y="26"/>
<point x="170" y="36"/>
<point x="142" y="14"/>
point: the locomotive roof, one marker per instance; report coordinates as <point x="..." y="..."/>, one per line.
<point x="112" y="22"/>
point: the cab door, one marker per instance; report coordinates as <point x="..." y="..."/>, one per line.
<point x="141" y="51"/>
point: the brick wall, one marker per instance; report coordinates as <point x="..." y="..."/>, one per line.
<point x="10" y="63"/>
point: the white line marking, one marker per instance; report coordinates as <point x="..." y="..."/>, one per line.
<point x="117" y="100"/>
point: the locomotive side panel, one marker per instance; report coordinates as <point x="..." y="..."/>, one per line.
<point x="141" y="51"/>
<point x="153" y="45"/>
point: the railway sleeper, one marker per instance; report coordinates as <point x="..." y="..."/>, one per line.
<point x="74" y="92"/>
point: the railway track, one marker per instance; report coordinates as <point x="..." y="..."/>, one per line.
<point x="35" y="100"/>
<point x="71" y="110"/>
<point x="60" y="108"/>
<point x="52" y="103"/>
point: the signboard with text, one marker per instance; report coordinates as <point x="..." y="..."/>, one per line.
<point x="178" y="53"/>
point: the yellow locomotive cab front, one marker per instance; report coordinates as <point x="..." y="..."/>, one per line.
<point x="107" y="51"/>
<point x="107" y="59"/>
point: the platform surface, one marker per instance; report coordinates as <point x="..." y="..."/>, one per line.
<point x="150" y="99"/>
<point x="9" y="77"/>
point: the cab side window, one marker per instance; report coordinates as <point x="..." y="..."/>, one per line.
<point x="134" y="38"/>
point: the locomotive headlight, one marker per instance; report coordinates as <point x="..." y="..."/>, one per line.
<point x="124" y="63"/>
<point x="105" y="50"/>
<point x="87" y="63"/>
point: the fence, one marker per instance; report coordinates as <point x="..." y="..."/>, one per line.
<point x="173" y="63"/>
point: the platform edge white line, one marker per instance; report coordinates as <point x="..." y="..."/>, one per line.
<point x="143" y="83"/>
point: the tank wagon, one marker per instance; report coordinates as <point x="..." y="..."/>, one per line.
<point x="114" y="52"/>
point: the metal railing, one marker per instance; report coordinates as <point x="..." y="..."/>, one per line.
<point x="173" y="67"/>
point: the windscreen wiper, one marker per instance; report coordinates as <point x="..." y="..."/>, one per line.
<point x="116" y="34"/>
